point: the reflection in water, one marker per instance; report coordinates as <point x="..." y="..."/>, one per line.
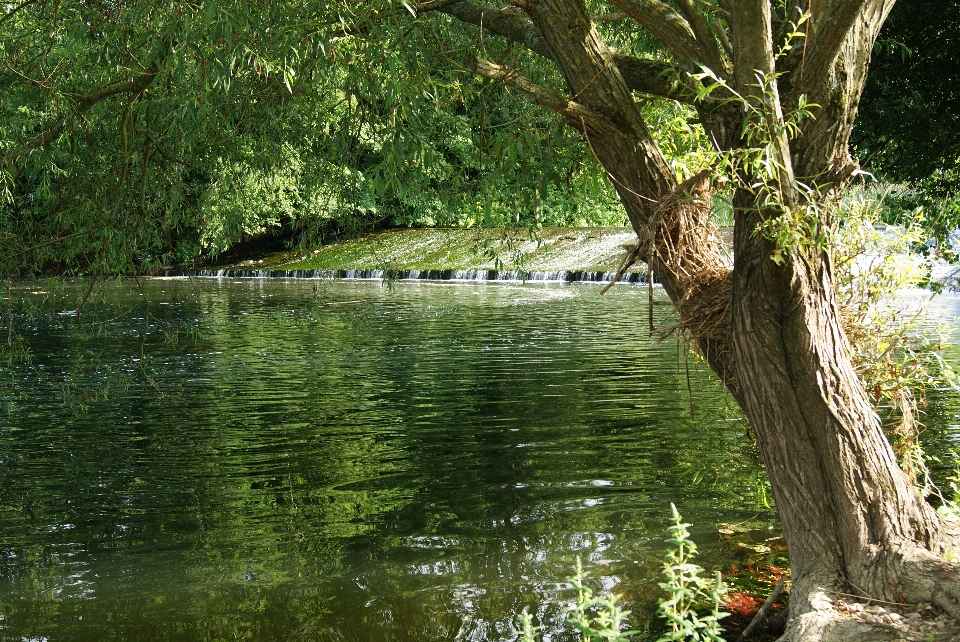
<point x="357" y="463"/>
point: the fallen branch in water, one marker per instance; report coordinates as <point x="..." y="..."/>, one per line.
<point x="762" y="613"/>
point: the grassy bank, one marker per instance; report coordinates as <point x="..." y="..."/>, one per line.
<point x="597" y="249"/>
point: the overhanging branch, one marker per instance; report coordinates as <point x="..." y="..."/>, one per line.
<point x="577" y="115"/>
<point x="506" y="21"/>
<point x="652" y="77"/>
<point x="85" y="102"/>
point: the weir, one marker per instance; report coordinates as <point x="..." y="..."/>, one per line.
<point x="562" y="276"/>
<point x="549" y="255"/>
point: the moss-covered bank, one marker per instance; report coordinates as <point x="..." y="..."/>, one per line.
<point x="554" y="253"/>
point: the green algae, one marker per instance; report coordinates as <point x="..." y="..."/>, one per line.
<point x="546" y="249"/>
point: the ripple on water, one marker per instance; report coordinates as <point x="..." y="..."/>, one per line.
<point x="360" y="463"/>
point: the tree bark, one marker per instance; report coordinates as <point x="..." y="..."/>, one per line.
<point x="852" y="520"/>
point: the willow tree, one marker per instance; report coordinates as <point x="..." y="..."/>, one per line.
<point x="214" y="121"/>
<point x="770" y="326"/>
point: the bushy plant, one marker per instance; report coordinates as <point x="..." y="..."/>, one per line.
<point x="688" y="590"/>
<point x="600" y="617"/>
<point x="895" y="346"/>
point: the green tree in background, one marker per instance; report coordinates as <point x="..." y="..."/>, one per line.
<point x="909" y="121"/>
<point x="138" y="133"/>
<point x="908" y="130"/>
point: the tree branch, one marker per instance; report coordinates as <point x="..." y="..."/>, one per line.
<point x="165" y="155"/>
<point x="725" y="42"/>
<point x="651" y="77"/>
<point x="85" y="102"/>
<point x="708" y="43"/>
<point x="646" y="76"/>
<point x="666" y="25"/>
<point x="577" y="115"/>
<point x="753" y="44"/>
<point x="12" y="12"/>
<point x="828" y="31"/>
<point x="754" y="68"/>
<point x="610" y="17"/>
<point x="509" y="22"/>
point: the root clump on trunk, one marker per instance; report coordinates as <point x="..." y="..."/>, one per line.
<point x="681" y="240"/>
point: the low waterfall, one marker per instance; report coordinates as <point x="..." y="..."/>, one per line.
<point x="553" y="255"/>
<point x="562" y="276"/>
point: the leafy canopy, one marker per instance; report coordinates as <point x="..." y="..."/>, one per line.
<point x="134" y="134"/>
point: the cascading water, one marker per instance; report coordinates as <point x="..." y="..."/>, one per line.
<point x="515" y="276"/>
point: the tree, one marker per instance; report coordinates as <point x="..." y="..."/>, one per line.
<point x="217" y="121"/>
<point x="769" y="327"/>
<point x="775" y="87"/>
<point x="909" y="125"/>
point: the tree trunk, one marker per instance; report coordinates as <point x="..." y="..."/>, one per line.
<point x="852" y="520"/>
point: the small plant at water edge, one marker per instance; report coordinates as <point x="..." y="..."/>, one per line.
<point x="688" y="589"/>
<point x="600" y="618"/>
<point x="597" y="618"/>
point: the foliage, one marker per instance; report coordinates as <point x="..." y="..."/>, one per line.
<point x="600" y="617"/>
<point x="596" y="617"/>
<point x="306" y="119"/>
<point x="688" y="590"/>
<point x="903" y="204"/>
<point x="909" y="123"/>
<point x="908" y="129"/>
<point x="310" y="119"/>
<point x="895" y="349"/>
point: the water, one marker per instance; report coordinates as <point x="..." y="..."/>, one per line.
<point x="517" y="276"/>
<point x="291" y="460"/>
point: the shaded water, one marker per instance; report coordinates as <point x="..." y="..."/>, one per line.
<point x="350" y="461"/>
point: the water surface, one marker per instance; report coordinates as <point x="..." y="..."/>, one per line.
<point x="295" y="460"/>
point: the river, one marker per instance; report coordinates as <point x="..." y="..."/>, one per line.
<point x="312" y="460"/>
